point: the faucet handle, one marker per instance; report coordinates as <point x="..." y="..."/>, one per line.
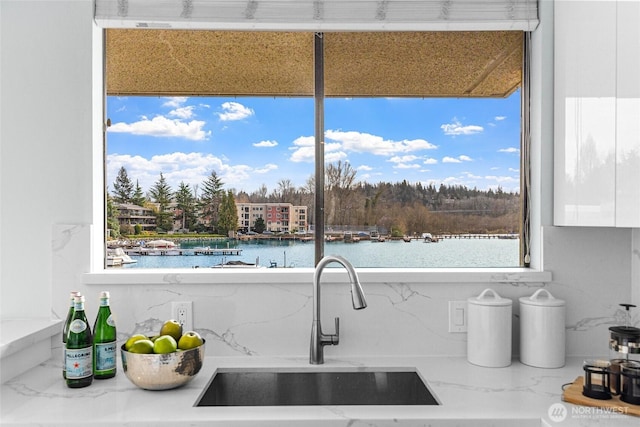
<point x="335" y="339"/>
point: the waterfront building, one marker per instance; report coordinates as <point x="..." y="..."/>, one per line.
<point x="131" y="215"/>
<point x="277" y="217"/>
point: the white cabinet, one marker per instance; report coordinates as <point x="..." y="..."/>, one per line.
<point x="596" y="136"/>
<point x="628" y="115"/>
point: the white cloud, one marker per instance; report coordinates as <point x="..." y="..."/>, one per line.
<point x="265" y="144"/>
<point x="266" y="168"/>
<point x="303" y="149"/>
<point x="190" y="168"/>
<point x="458" y="159"/>
<point x="232" y="111"/>
<point x="501" y="179"/>
<point x="509" y="150"/>
<point x="456" y="128"/>
<point x="334" y="156"/>
<point x="163" y="127"/>
<point x="175" y="101"/>
<point x="403" y="159"/>
<point x="514" y="170"/>
<point x="469" y="175"/>
<point x="406" y="166"/>
<point x="361" y="142"/>
<point x="338" y="144"/>
<point x="364" y="168"/>
<point x="500" y="118"/>
<point x="183" y="112"/>
<point x="430" y="161"/>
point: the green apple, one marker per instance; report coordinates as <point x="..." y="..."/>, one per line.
<point x="132" y="339"/>
<point x="165" y="344"/>
<point x="142" y="346"/>
<point x="172" y="327"/>
<point x="190" y="339"/>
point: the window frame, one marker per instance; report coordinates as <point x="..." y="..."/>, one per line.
<point x="100" y="275"/>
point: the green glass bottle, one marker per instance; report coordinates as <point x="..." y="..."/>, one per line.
<point x="79" y="355"/>
<point x="65" y="331"/>
<point x="104" y="341"/>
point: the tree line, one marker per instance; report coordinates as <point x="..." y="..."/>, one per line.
<point x="399" y="208"/>
<point x="213" y="210"/>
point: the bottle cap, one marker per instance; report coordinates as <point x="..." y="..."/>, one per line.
<point x="78" y="298"/>
<point x="104" y="294"/>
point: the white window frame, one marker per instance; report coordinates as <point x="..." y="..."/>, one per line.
<point x="541" y="176"/>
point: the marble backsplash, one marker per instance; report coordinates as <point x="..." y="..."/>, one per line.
<point x="591" y="272"/>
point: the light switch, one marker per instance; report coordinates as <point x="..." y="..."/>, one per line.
<point x="457" y="316"/>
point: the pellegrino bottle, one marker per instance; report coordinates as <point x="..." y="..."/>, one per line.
<point x="79" y="355"/>
<point x="104" y="341"/>
<point x="65" y="331"/>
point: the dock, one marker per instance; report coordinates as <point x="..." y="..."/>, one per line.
<point x="216" y="251"/>
<point x="182" y="251"/>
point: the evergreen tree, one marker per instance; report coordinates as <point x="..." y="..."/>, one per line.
<point x="122" y="187"/>
<point x="186" y="203"/>
<point x="112" y="217"/>
<point x="161" y="195"/>
<point x="259" y="225"/>
<point x="228" y="220"/>
<point x="210" y="200"/>
<point x="138" y="197"/>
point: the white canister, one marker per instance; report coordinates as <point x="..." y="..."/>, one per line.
<point x="489" y="330"/>
<point x="542" y="330"/>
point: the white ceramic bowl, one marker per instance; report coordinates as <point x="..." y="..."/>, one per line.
<point x="162" y="371"/>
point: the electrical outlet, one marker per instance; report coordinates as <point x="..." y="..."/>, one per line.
<point x="457" y="316"/>
<point x="183" y="312"/>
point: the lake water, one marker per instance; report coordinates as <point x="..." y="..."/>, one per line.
<point x="396" y="253"/>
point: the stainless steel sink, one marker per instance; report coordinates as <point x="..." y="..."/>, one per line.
<point x="271" y="387"/>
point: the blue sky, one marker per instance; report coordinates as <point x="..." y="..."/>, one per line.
<point x="255" y="141"/>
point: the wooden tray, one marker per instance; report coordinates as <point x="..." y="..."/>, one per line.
<point x="573" y="394"/>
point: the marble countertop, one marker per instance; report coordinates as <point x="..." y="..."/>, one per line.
<point x="469" y="395"/>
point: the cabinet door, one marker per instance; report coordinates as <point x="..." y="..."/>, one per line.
<point x="584" y="113"/>
<point x="628" y="115"/>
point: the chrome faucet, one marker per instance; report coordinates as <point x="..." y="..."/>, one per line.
<point x="318" y="339"/>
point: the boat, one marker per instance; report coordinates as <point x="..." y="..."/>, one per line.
<point x="406" y="239"/>
<point x="117" y="257"/>
<point x="160" y="244"/>
<point x="429" y="238"/>
<point x="239" y="264"/>
<point x="113" y="261"/>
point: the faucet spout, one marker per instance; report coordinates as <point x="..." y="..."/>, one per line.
<point x="319" y="339"/>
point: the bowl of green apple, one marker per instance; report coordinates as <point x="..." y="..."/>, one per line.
<point x="164" y="361"/>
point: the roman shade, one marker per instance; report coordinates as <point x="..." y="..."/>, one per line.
<point x="357" y="64"/>
<point x="320" y="15"/>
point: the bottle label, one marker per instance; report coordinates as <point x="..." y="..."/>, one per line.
<point x="79" y="363"/>
<point x="110" y="321"/>
<point x="105" y="356"/>
<point x="77" y="326"/>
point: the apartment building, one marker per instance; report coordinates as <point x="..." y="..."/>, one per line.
<point x="131" y="215"/>
<point x="277" y="217"/>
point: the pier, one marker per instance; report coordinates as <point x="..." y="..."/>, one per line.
<point x="142" y="251"/>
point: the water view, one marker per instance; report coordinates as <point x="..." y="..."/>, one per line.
<point x="391" y="253"/>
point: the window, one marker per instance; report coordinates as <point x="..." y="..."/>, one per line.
<point x="399" y="191"/>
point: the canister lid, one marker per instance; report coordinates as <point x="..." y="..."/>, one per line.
<point x="490" y="297"/>
<point x="547" y="300"/>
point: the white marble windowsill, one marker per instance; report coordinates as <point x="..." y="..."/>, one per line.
<point x="24" y="343"/>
